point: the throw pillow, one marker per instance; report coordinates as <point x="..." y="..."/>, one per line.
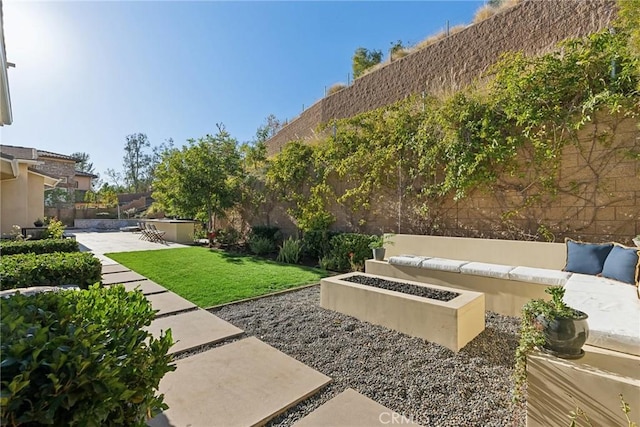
<point x="586" y="258"/>
<point x="623" y="264"/>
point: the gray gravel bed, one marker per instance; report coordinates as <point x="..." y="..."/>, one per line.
<point x="405" y="288"/>
<point x="422" y="380"/>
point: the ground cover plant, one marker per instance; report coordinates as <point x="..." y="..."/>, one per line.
<point x="210" y="277"/>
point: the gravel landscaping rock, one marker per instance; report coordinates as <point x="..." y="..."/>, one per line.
<point x="425" y="381"/>
<point x="405" y="288"/>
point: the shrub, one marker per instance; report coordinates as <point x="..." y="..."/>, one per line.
<point x="24" y="270"/>
<point x="81" y="358"/>
<point x="347" y="249"/>
<point x="290" y="251"/>
<point x="316" y="243"/>
<point x="13" y="247"/>
<point x="261" y="245"/>
<point x="337" y="87"/>
<point x="267" y="231"/>
<point x="228" y="237"/>
<point x="55" y="229"/>
<point x="486" y="11"/>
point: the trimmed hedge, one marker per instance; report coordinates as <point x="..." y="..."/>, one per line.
<point x="81" y="358"/>
<point x="24" y="270"/>
<point x="13" y="247"/>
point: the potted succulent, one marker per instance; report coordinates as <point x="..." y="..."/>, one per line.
<point x="551" y="326"/>
<point x="377" y="245"/>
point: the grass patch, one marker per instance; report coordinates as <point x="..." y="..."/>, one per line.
<point x="209" y="277"/>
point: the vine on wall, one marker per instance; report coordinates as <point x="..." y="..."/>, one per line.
<point x="504" y="140"/>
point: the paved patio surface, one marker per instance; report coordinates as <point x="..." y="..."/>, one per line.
<point x="194" y="329"/>
<point x="245" y="383"/>
<point x="101" y="243"/>
<point x="352" y="409"/>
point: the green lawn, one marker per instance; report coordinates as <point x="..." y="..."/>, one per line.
<point x="208" y="277"/>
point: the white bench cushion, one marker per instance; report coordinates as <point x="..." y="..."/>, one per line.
<point x="613" y="309"/>
<point x="443" y="264"/>
<point x="407" y="260"/>
<point x="539" y="275"/>
<point x="489" y="270"/>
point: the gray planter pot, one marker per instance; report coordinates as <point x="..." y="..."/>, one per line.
<point x="378" y="254"/>
<point x="565" y="336"/>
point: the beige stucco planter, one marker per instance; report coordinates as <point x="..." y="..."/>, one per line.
<point x="452" y="324"/>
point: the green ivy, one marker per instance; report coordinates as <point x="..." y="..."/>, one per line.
<point x="507" y="133"/>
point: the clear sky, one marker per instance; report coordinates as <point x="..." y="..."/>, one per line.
<point x="89" y="73"/>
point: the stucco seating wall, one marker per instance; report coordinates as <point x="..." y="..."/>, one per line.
<point x="510" y="273"/>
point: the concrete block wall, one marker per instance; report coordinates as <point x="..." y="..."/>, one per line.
<point x="533" y="26"/>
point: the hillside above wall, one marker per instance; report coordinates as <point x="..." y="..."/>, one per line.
<point x="533" y="26"/>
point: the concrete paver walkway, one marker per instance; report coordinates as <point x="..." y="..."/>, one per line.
<point x="147" y="287"/>
<point x="168" y="302"/>
<point x="194" y="329"/>
<point x="245" y="383"/>
<point x="121" y="277"/>
<point x="114" y="268"/>
<point x="352" y="409"/>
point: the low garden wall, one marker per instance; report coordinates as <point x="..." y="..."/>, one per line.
<point x="104" y="224"/>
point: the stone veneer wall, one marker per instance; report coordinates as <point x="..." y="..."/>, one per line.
<point x="533" y="26"/>
<point x="59" y="168"/>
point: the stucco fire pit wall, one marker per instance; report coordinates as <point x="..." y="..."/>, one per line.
<point x="451" y="324"/>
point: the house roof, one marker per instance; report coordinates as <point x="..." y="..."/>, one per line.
<point x="29" y="153"/>
<point x="42" y="153"/>
<point x="81" y="173"/>
<point x="24" y="153"/>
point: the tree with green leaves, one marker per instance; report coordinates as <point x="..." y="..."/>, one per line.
<point x="83" y="163"/>
<point x="363" y="59"/>
<point x="201" y="179"/>
<point x="137" y="162"/>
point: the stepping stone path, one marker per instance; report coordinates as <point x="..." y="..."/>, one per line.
<point x="352" y="409"/>
<point x="147" y="287"/>
<point x="242" y="383"/>
<point x="121" y="277"/>
<point x="194" y="329"/>
<point x="245" y="383"/>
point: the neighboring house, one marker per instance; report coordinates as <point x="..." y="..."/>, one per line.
<point x="5" y="100"/>
<point x="21" y="190"/>
<point x="26" y="174"/>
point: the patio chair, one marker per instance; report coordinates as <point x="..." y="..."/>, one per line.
<point x="145" y="232"/>
<point x="156" y="235"/>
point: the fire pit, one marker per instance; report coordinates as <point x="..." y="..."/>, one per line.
<point x="447" y="316"/>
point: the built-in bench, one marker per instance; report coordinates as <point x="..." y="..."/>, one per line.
<point x="510" y="273"/>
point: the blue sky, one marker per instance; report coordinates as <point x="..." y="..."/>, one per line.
<point x="89" y="73"/>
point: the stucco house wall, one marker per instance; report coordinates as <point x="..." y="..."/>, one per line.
<point x="15" y="207"/>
